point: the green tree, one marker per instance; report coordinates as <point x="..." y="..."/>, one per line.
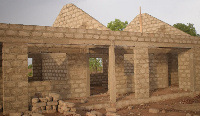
<point x="117" y="25"/>
<point x="189" y="28"/>
<point x="30" y="66"/>
<point x="95" y="65"/>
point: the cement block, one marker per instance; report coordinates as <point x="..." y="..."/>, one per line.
<point x="53" y="103"/>
<point x="40" y="104"/>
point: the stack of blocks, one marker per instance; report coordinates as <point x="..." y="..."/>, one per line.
<point x="52" y="104"/>
<point x="46" y="105"/>
<point x="67" y="108"/>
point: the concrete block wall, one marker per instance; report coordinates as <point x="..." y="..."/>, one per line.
<point x="121" y="79"/>
<point x="158" y="67"/>
<point x="15" y="81"/>
<point x="141" y="72"/>
<point x="151" y="24"/>
<point x="173" y="69"/>
<point x="101" y="79"/>
<point x="77" y="72"/>
<point x="54" y="66"/>
<point x="184" y="70"/>
<point x="37" y="67"/>
<point x="43" y="88"/>
<point x="197" y="69"/>
<point x="73" y="17"/>
<point x="129" y="71"/>
<point x="1" y="79"/>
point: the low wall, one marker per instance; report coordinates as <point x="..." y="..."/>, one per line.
<point x="99" y="79"/>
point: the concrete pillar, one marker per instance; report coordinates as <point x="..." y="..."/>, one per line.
<point x="88" y="76"/>
<point x="15" y="78"/>
<point x="186" y="70"/>
<point x="111" y="74"/>
<point x="141" y="72"/>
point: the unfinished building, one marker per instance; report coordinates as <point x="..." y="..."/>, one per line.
<point x="135" y="64"/>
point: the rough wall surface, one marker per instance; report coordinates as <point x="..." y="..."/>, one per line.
<point x="54" y="66"/>
<point x="129" y="71"/>
<point x="77" y="72"/>
<point x="1" y="79"/>
<point x="15" y="94"/>
<point x="121" y="79"/>
<point x="141" y="72"/>
<point x="151" y="24"/>
<point x="158" y="67"/>
<point x="43" y="88"/>
<point x="184" y="70"/>
<point x="73" y="17"/>
<point x="173" y="69"/>
<point x="101" y="79"/>
<point x="197" y="69"/>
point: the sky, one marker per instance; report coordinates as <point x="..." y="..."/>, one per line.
<point x="44" y="12"/>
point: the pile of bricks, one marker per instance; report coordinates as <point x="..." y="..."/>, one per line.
<point x="46" y="105"/>
<point x="67" y="108"/>
<point x="52" y="104"/>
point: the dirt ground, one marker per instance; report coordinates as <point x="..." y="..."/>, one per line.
<point x="176" y="107"/>
<point x="184" y="106"/>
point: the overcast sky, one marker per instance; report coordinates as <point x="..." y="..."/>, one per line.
<point x="44" y="12"/>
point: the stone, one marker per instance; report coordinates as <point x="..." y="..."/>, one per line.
<point x="84" y="101"/>
<point x="163" y="111"/>
<point x="60" y="110"/>
<point x="49" y="98"/>
<point x="55" y="96"/>
<point x="72" y="109"/>
<point x="35" y="100"/>
<point x="55" y="107"/>
<point x="188" y="114"/>
<point x="153" y="110"/>
<point x="43" y="99"/>
<point x="97" y="113"/>
<point x="40" y="104"/>
<point x="111" y="109"/>
<point x="111" y="114"/>
<point x="90" y="114"/>
<point x="49" y="107"/>
<point x="65" y="109"/>
<point x="51" y="111"/>
<point x="69" y="104"/>
<point x="43" y="108"/>
<point x="130" y="107"/>
<point x="15" y="114"/>
<point x="53" y="103"/>
<point x="68" y="113"/>
<point x="60" y="102"/>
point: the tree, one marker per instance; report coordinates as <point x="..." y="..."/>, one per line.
<point x="30" y="66"/>
<point x="95" y="65"/>
<point x="117" y="25"/>
<point x="189" y="28"/>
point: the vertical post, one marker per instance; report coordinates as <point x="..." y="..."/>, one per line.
<point x="141" y="72"/>
<point x="15" y="78"/>
<point x="88" y="73"/>
<point x="111" y="73"/>
<point x="186" y="70"/>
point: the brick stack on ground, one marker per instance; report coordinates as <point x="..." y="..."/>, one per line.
<point x="67" y="108"/>
<point x="46" y="105"/>
<point x="52" y="104"/>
